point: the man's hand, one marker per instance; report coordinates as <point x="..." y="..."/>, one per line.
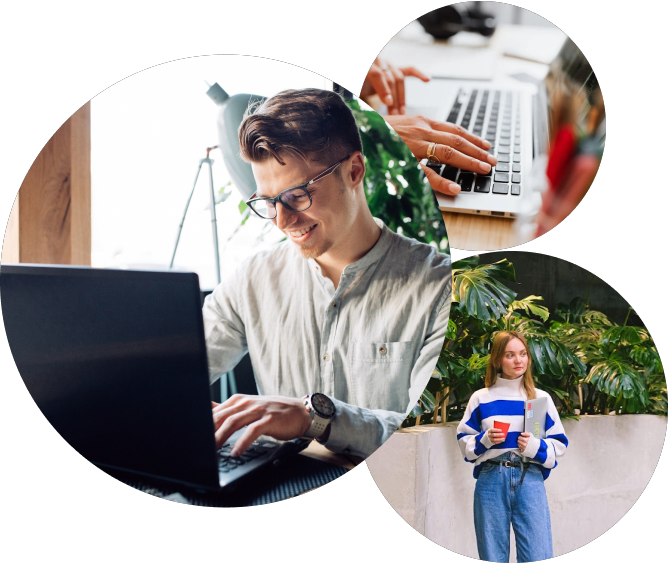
<point x="387" y="81"/>
<point x="523" y="441"/>
<point x="454" y="146"/>
<point x="283" y="418"/>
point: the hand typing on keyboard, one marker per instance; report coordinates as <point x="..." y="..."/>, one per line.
<point x="454" y="146"/>
<point x="283" y="418"/>
<point x="387" y="81"/>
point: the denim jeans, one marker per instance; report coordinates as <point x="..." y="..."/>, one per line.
<point x="500" y="501"/>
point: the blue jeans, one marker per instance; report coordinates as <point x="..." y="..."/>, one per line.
<point x="500" y="501"/>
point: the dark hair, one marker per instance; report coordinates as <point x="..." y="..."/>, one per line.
<point x="310" y="123"/>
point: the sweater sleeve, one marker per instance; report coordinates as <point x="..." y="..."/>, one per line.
<point x="547" y="451"/>
<point x="472" y="439"/>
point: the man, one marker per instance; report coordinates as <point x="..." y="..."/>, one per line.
<point x="344" y="311"/>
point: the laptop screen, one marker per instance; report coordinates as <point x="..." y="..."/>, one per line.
<point x="116" y="361"/>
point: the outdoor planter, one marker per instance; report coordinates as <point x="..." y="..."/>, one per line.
<point x="609" y="461"/>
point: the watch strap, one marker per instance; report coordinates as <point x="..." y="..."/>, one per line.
<point x="318" y="423"/>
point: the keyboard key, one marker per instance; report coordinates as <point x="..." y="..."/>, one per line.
<point x="502" y="149"/>
<point x="515" y="189"/>
<point x="466" y="181"/>
<point x="450" y="173"/>
<point x="517" y="158"/>
<point x="435" y="167"/>
<point x="502" y="167"/>
<point x="504" y="143"/>
<point x="501" y="177"/>
<point x="516" y="168"/>
<point x="516" y="178"/>
<point x="503" y="158"/>
<point x="482" y="184"/>
<point x="500" y="189"/>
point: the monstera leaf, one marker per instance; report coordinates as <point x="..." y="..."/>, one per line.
<point x="618" y="379"/>
<point x="551" y="356"/>
<point x="480" y="291"/>
<point x="530" y="306"/>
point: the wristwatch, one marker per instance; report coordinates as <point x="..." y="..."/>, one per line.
<point x="322" y="411"/>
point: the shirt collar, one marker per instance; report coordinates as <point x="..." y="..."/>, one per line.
<point x="378" y="250"/>
<point x="508" y="387"/>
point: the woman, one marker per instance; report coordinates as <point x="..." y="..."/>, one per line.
<point x="510" y="464"/>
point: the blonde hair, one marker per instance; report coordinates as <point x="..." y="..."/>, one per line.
<point x="501" y="340"/>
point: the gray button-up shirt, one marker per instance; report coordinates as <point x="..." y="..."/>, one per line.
<point x="371" y="344"/>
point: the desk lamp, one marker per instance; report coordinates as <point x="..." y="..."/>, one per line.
<point x="230" y="114"/>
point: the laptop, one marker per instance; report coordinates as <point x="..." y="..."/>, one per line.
<point x="116" y="361"/>
<point x="514" y="116"/>
<point x="535" y="413"/>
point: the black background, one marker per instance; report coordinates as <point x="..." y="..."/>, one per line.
<point x="67" y="54"/>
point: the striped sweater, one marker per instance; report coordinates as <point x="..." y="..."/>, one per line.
<point x="504" y="402"/>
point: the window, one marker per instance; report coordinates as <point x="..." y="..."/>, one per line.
<point x="148" y="135"/>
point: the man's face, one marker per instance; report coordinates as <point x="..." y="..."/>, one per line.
<point x="322" y="226"/>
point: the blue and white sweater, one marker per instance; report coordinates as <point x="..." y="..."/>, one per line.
<point x="504" y="401"/>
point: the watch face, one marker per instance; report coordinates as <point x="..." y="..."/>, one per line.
<point x="322" y="404"/>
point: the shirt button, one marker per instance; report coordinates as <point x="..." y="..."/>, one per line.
<point x="326" y="357"/>
<point x="382" y="350"/>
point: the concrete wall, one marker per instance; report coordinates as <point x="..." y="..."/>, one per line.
<point x="608" y="464"/>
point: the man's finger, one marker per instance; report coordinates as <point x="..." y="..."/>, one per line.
<point x="461" y="132"/>
<point x="221" y="413"/>
<point x="252" y="433"/>
<point x="233" y="423"/>
<point x="440" y="184"/>
<point x="412" y="71"/>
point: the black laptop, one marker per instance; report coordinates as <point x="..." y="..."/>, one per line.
<point x="116" y="361"/>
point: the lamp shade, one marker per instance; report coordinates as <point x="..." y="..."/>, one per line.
<point x="230" y="114"/>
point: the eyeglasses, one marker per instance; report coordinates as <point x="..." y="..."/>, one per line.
<point x="295" y="199"/>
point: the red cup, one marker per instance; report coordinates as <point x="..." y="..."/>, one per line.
<point x="505" y="426"/>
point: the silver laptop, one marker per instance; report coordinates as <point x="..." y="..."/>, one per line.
<point x="513" y="116"/>
<point x="535" y="412"/>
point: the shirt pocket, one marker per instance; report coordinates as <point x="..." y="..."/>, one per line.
<point x="381" y="373"/>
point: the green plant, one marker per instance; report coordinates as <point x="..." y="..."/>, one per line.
<point x="396" y="190"/>
<point x="588" y="363"/>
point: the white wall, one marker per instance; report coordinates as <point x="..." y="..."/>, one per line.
<point x="609" y="461"/>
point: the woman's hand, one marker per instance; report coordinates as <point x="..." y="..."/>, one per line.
<point x="523" y="441"/>
<point x="454" y="146"/>
<point x="387" y="81"/>
<point x="496" y="435"/>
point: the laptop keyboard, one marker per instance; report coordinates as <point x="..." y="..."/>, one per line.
<point x="251" y="458"/>
<point x="495" y="116"/>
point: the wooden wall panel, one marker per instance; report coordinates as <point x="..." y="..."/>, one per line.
<point x="54" y="210"/>
<point x="10" y="246"/>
